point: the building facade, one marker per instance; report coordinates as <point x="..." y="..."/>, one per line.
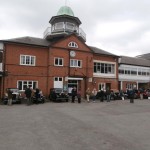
<point x="134" y="73"/>
<point x="61" y="59"/>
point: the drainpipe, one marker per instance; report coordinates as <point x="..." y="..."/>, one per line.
<point x="69" y="64"/>
<point x="4" y="67"/>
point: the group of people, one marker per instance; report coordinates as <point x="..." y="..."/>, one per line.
<point x="29" y="92"/>
<point x="98" y="94"/>
<point x="91" y="95"/>
<point x="102" y="95"/>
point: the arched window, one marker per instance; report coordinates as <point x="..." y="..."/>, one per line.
<point x="73" y="44"/>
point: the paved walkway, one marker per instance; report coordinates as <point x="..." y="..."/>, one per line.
<point x="116" y="125"/>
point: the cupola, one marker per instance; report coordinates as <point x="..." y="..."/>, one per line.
<point x="64" y="23"/>
<point x="65" y="10"/>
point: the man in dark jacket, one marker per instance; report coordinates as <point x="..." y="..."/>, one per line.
<point x="74" y="94"/>
<point x="28" y="93"/>
<point x="37" y="95"/>
<point x="131" y="95"/>
<point x="101" y="95"/>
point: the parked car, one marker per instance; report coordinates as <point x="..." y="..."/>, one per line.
<point x="115" y="94"/>
<point x="58" y="95"/>
<point x="146" y="94"/>
<point x="16" y="98"/>
<point x="41" y="99"/>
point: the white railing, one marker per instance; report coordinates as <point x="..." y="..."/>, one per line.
<point x="64" y="27"/>
<point x="47" y="32"/>
<point x="82" y="34"/>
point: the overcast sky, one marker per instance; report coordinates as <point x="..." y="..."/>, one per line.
<point x="121" y="27"/>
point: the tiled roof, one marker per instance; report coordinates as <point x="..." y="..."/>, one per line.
<point x="145" y="56"/>
<point x="134" y="61"/>
<point x="100" y="51"/>
<point x="30" y="40"/>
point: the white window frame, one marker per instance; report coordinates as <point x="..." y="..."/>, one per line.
<point x="102" y="85"/>
<point x="58" y="61"/>
<point x="26" y="83"/>
<point x="109" y="64"/>
<point x="70" y="26"/>
<point x="73" y="44"/>
<point x="59" y="26"/>
<point x="75" y="63"/>
<point x="24" y="61"/>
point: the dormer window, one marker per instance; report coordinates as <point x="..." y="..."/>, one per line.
<point x="73" y="44"/>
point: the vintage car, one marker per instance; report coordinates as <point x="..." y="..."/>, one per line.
<point x="16" y="98"/>
<point x="41" y="99"/>
<point x="58" y="95"/>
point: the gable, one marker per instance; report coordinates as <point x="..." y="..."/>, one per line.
<point x="64" y="43"/>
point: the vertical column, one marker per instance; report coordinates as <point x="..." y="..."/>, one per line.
<point x="137" y="85"/>
<point x="121" y="85"/>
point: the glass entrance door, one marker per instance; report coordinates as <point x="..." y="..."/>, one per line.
<point x="71" y="84"/>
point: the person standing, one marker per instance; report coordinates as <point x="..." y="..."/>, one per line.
<point x="108" y="92"/>
<point x="121" y="94"/>
<point x="28" y="93"/>
<point x="141" y="93"/>
<point x="37" y="95"/>
<point x="131" y="96"/>
<point x="101" y="95"/>
<point x="94" y="93"/>
<point x="10" y="95"/>
<point x="88" y="93"/>
<point x="74" y="94"/>
<point x="79" y="96"/>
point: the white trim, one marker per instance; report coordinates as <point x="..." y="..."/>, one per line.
<point x="59" y="58"/>
<point x="106" y="62"/>
<point x="71" y="78"/>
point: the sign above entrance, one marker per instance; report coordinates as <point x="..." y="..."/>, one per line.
<point x="71" y="78"/>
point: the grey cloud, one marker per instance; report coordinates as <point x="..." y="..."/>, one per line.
<point x="20" y="17"/>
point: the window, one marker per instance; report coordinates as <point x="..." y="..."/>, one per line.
<point x="130" y="86"/>
<point x="104" y="68"/>
<point x="70" y="26"/>
<point x="58" y="79"/>
<point x="58" y="61"/>
<point x="75" y="63"/>
<point x="59" y="25"/>
<point x="22" y="85"/>
<point x="73" y="44"/>
<point x="27" y="60"/>
<point x="134" y="71"/>
<point x="121" y="71"/>
<point x="102" y="86"/>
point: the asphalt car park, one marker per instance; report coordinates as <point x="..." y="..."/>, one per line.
<point x="117" y="125"/>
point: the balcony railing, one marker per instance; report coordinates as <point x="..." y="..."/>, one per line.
<point x="64" y="28"/>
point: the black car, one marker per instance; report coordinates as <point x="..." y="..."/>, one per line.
<point x="58" y="95"/>
<point x="16" y="98"/>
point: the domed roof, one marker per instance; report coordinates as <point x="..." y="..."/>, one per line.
<point x="65" y="10"/>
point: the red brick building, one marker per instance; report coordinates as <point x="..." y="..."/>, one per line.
<point x="61" y="59"/>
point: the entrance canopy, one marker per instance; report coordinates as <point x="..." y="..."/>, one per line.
<point x="72" y="78"/>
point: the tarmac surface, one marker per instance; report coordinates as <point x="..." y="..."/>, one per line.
<point x="115" y="125"/>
